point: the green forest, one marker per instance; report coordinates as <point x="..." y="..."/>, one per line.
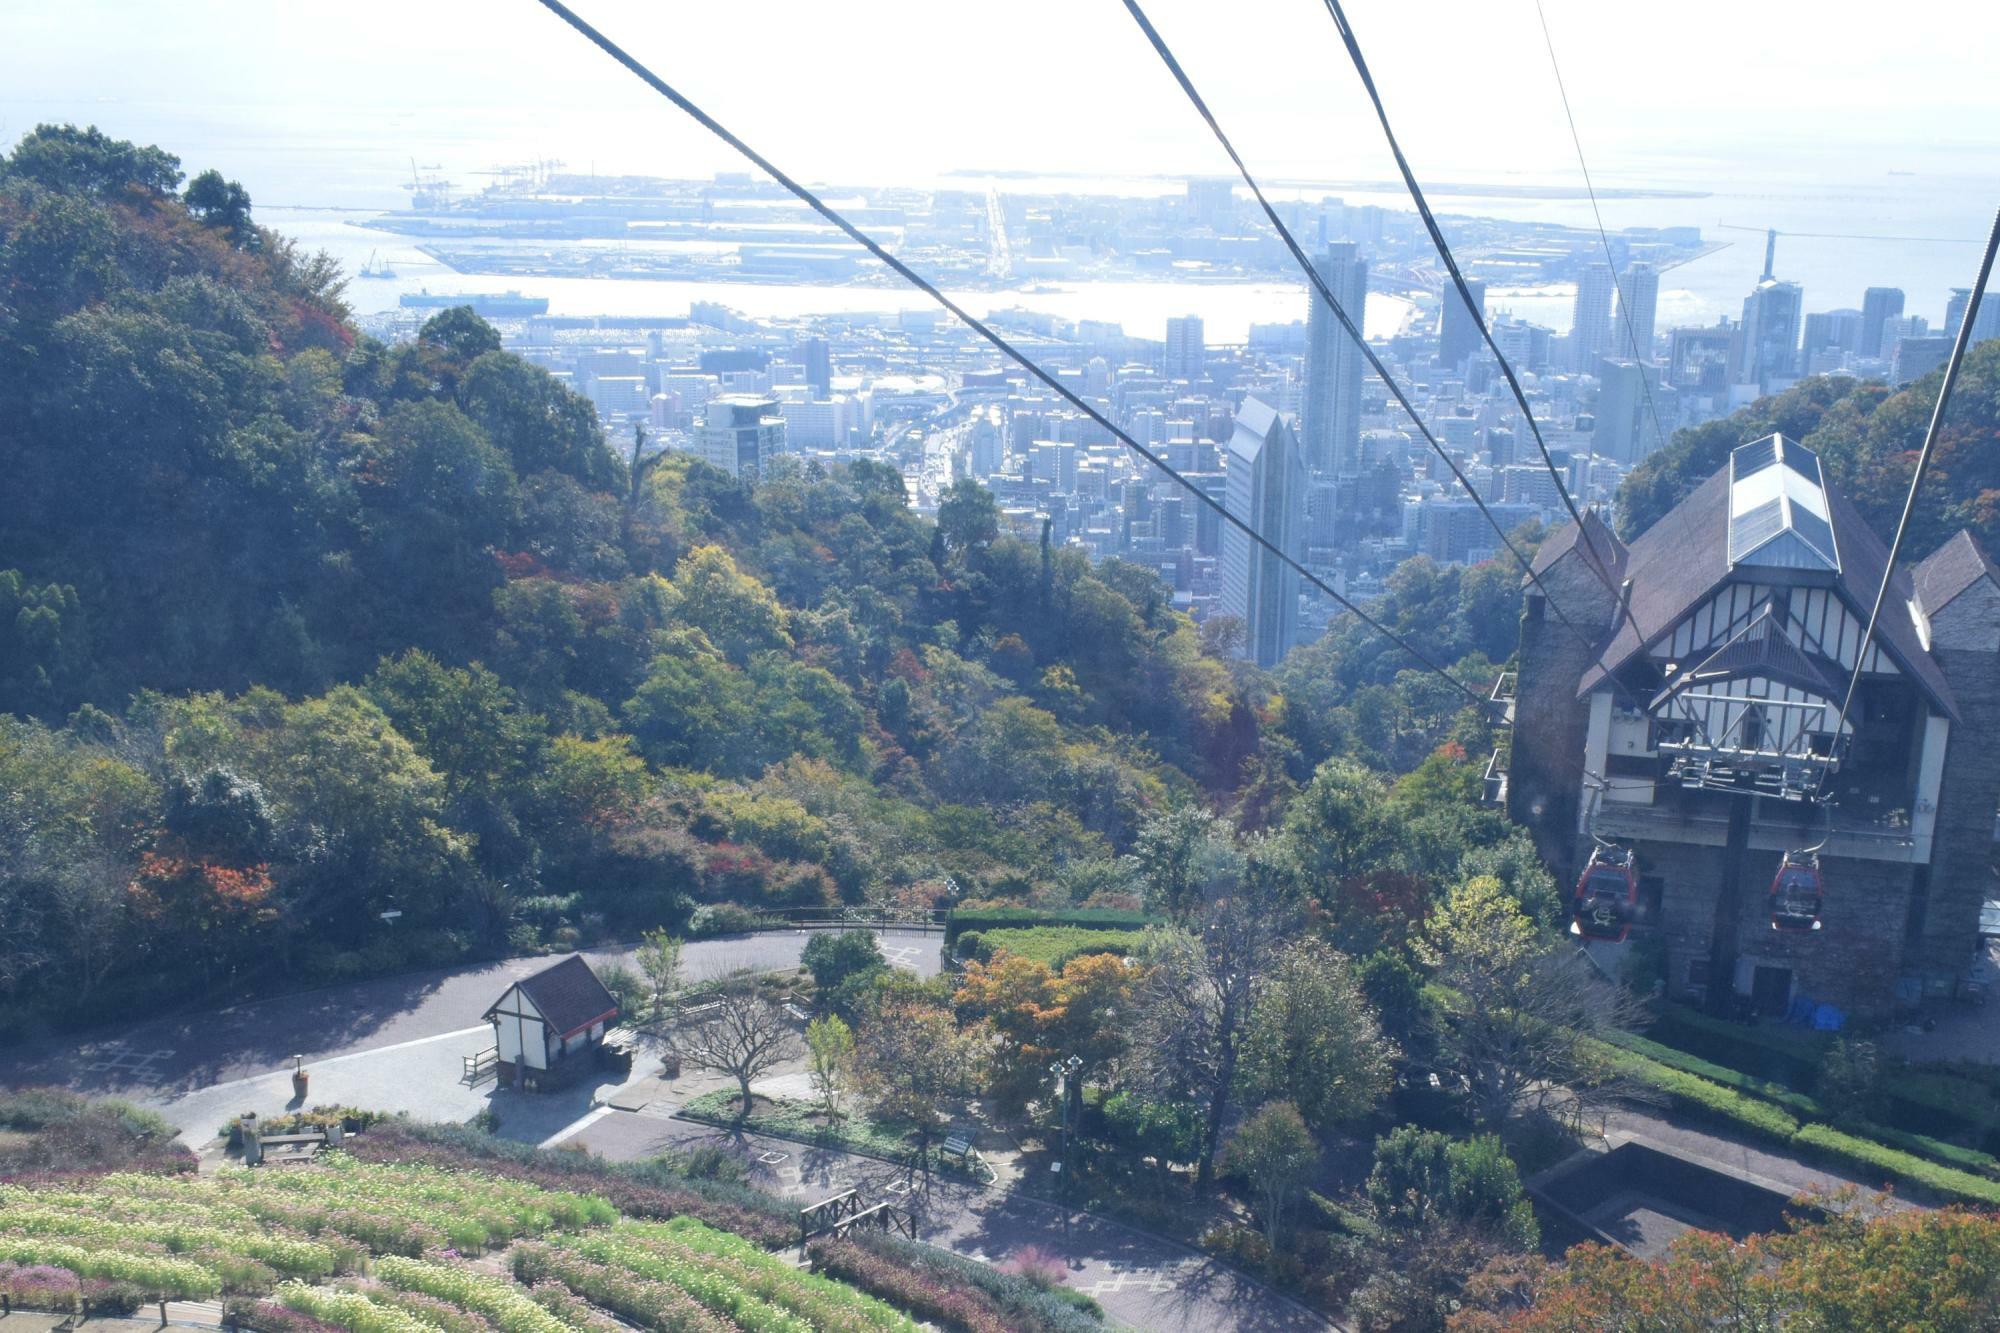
<point x="307" y="629"/>
<point x="304" y="629"/>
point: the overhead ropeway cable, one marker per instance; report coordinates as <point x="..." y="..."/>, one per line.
<point x="1347" y="322"/>
<point x="1593" y="560"/>
<point x="917" y="280"/>
<point x="1951" y="369"/>
<point x="1631" y="334"/>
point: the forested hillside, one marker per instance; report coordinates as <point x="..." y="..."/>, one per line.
<point x="1867" y="435"/>
<point x="302" y="629"/>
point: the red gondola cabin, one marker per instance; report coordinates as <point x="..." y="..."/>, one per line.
<point x="1795" y="893"/>
<point x="1607" y="896"/>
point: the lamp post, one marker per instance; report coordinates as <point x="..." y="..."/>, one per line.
<point x="1064" y="1072"/>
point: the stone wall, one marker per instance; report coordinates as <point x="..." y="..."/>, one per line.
<point x="1962" y="856"/>
<point x="1854" y="959"/>
<point x="1545" y="768"/>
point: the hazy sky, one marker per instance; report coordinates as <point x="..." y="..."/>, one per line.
<point x="883" y="89"/>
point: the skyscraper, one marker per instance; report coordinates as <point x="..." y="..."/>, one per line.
<point x="1458" y="327"/>
<point x="1186" y="354"/>
<point x="1767" y="348"/>
<point x="1211" y="202"/>
<point x="1986" y="324"/>
<point x="741" y="434"/>
<point x="1590" y="320"/>
<point x="1332" y="418"/>
<point x="1626" y="428"/>
<point x="1265" y="486"/>
<point x="819" y="366"/>
<point x="1878" y="306"/>
<point x="1839" y="330"/>
<point x="1638" y="303"/>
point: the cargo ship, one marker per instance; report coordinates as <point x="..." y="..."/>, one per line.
<point x="502" y="305"/>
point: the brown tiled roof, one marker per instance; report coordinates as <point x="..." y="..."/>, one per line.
<point x="1950" y="570"/>
<point x="568" y="994"/>
<point x="1684" y="558"/>
<point x="1609" y="550"/>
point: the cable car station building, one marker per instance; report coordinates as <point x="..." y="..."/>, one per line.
<point x="1693" y="721"/>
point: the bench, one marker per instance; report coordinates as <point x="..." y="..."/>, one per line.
<point x="480" y="1067"/>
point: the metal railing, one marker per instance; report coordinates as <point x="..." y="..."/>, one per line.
<point x="1495" y="780"/>
<point x="850" y="918"/>
<point x="482" y="1066"/>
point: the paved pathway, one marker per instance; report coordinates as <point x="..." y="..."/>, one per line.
<point x="1742" y="1157"/>
<point x="1142" y="1280"/>
<point x="390" y="1043"/>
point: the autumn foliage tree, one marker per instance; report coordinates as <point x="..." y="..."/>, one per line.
<point x="1857" y="1267"/>
<point x="1038" y="1016"/>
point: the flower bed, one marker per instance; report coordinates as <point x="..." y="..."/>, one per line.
<point x="640" y="1189"/>
<point x="750" y="1298"/>
<point x="502" y="1303"/>
<point x="947" y="1288"/>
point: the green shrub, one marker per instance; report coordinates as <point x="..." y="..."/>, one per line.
<point x="1852" y="1150"/>
<point x="724" y="919"/>
<point x="1049" y="945"/>
<point x="1966" y="1101"/>
<point x="1950" y="1154"/>
<point x="990" y="918"/>
<point x="1796" y="1102"/>
<point x="1690" y="1092"/>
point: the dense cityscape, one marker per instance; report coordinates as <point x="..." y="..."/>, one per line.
<point x="1349" y="485"/>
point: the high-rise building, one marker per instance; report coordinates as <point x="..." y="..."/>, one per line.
<point x="1590" y="319"/>
<point x="1698" y="359"/>
<point x="818" y="360"/>
<point x="1211" y="202"/>
<point x="1839" y="330"/>
<point x="1054" y="462"/>
<point x="1986" y="324"/>
<point x="1186" y="354"/>
<point x="1265" y="486"/>
<point x="1878" y="306"/>
<point x="1626" y="428"/>
<point x="741" y="434"/>
<point x="1332" y="419"/>
<point x="1638" y="303"/>
<point x="1458" y="326"/>
<point x="1767" y="348"/>
<point x="1919" y="356"/>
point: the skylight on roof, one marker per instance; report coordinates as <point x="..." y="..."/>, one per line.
<point x="1778" y="516"/>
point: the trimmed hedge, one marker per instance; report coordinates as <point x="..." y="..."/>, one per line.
<point x="1049" y="945"/>
<point x="1689" y="1091"/>
<point x="1943" y="1180"/>
<point x="1950" y="1154"/>
<point x="1795" y="1102"/>
<point x="1964" y="1101"/>
<point x="1963" y="1104"/>
<point x="1002" y="918"/>
<point x="1863" y="1155"/>
<point x="1772" y="1046"/>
